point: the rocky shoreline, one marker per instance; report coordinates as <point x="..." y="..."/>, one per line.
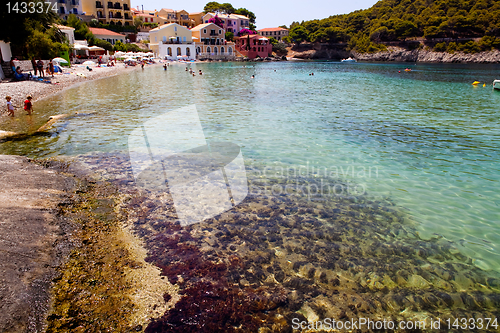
<point x="396" y="54"/>
<point x="402" y="55"/>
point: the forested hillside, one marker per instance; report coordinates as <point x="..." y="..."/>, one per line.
<point x="397" y="20"/>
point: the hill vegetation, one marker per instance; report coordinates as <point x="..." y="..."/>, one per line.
<point x="448" y="25"/>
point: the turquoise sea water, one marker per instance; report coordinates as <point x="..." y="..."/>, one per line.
<point x="427" y="139"/>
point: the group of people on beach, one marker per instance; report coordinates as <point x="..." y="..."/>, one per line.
<point x="38" y="68"/>
<point x="28" y="106"/>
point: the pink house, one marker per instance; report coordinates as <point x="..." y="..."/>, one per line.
<point x="231" y="22"/>
<point x="253" y="46"/>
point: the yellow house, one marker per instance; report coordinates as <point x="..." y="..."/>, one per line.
<point x="114" y="12"/>
<point x="197" y="17"/>
<point x="176" y="16"/>
<point x="171" y="41"/>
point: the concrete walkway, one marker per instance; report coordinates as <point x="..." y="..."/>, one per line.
<point x="32" y="240"/>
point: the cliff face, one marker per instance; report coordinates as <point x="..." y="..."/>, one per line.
<point x="324" y="51"/>
<point x="399" y="54"/>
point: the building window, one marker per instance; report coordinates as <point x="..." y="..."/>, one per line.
<point x="184" y="39"/>
<point x="178" y="51"/>
<point x="164" y="39"/>
<point x="230" y="50"/>
<point x="188" y="52"/>
<point x="215" y="50"/>
<point x="222" y="50"/>
<point x="204" y="31"/>
<point x="219" y="32"/>
<point x="208" y="49"/>
<point x="169" y="51"/>
<point x="61" y="10"/>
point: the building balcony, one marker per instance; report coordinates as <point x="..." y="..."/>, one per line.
<point x="117" y="6"/>
<point x="176" y="42"/>
<point x="125" y="7"/>
<point x="99" y="5"/>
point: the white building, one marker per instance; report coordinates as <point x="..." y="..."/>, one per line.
<point x="5" y="55"/>
<point x="69" y="32"/>
<point x="66" y="7"/>
<point x="5" y="51"/>
<point x="172" y="41"/>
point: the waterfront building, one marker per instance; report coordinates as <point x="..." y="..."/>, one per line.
<point x="276" y="33"/>
<point x="67" y="7"/>
<point x="180" y="17"/>
<point x="107" y="35"/>
<point x="197" y="17"/>
<point x="253" y="46"/>
<point x="69" y="32"/>
<point x="210" y="42"/>
<point x="172" y="41"/>
<point x="230" y="22"/>
<point x="109" y="12"/>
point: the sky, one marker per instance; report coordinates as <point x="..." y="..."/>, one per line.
<point x="270" y="13"/>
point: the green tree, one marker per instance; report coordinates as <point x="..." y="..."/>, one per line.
<point x="280" y="49"/>
<point x="214" y="6"/>
<point x="318" y="36"/>
<point x="298" y="34"/>
<point x="229" y="36"/>
<point x="104" y="44"/>
<point x="119" y="46"/>
<point x="138" y="22"/>
<point x="405" y="29"/>
<point x="488" y="43"/>
<point x="18" y="28"/>
<point x="82" y="31"/>
<point x="440" y="47"/>
<point x="245" y="12"/>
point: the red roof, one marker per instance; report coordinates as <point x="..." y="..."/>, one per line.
<point x="272" y="29"/>
<point x="101" y="31"/>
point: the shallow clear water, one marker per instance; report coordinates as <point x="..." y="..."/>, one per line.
<point x="427" y="140"/>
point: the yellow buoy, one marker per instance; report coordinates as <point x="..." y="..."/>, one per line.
<point x="484" y="84"/>
<point x="475" y="83"/>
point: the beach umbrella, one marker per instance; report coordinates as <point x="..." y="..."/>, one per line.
<point x="60" y="60"/>
<point x="89" y="63"/>
<point x="80" y="47"/>
<point x="95" y="48"/>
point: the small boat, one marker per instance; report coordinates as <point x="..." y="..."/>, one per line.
<point x="496" y="84"/>
<point x="348" y="60"/>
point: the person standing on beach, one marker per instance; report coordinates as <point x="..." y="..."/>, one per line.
<point x="51" y="67"/>
<point x="28" y="107"/>
<point x="39" y="64"/>
<point x="10" y="107"/>
<point x="33" y="64"/>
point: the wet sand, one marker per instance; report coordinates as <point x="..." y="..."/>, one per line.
<point x="33" y="240"/>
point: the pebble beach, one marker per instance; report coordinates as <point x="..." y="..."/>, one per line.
<point x="18" y="90"/>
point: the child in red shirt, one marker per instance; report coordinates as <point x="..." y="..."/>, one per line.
<point x="28" y="107"/>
